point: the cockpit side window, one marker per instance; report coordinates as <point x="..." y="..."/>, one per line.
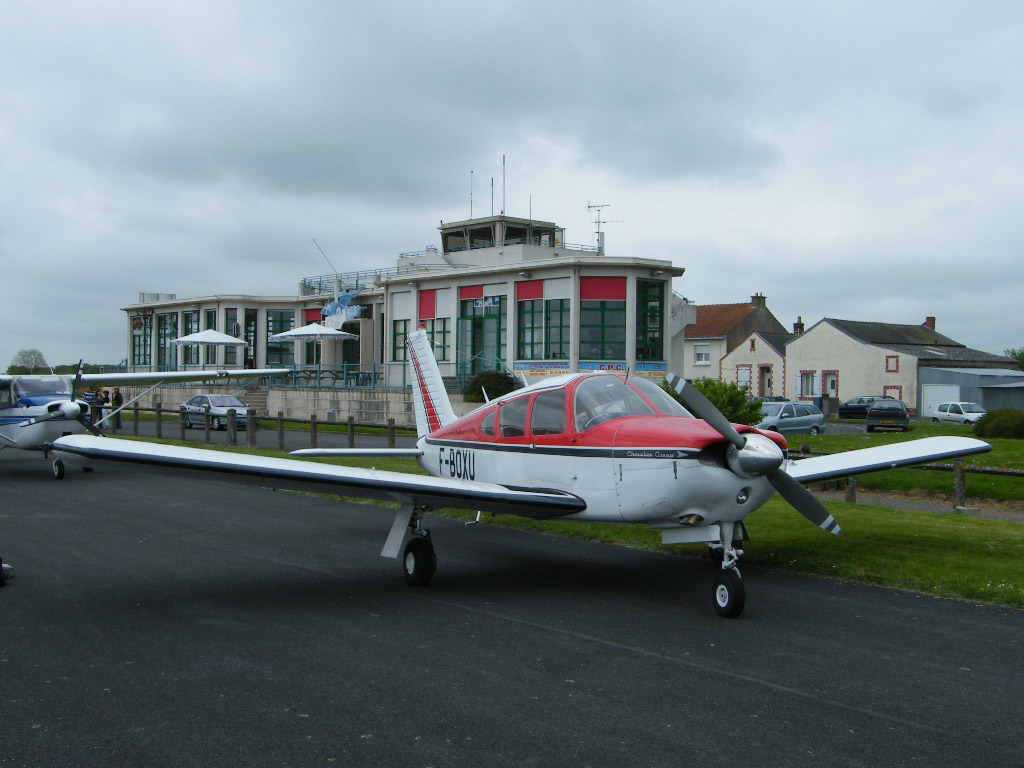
<point x="512" y="417"/>
<point x="5" y="395"/>
<point x="548" y="414"/>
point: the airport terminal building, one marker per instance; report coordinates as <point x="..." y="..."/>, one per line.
<point x="501" y="292"/>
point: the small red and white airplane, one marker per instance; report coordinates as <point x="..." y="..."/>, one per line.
<point x="592" y="447"/>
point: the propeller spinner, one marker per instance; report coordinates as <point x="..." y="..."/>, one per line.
<point x="754" y="455"/>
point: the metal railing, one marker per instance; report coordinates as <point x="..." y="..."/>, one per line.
<point x="351" y="281"/>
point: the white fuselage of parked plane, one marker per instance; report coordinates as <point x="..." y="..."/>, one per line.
<point x="632" y="485"/>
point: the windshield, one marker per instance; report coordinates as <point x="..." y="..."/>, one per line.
<point x="601" y="398"/>
<point x="226" y="401"/>
<point x="40" y="385"/>
<point x="771" y="409"/>
<point x="661" y="399"/>
<point x="972" y="408"/>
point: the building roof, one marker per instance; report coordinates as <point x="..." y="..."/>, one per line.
<point x="776" y="341"/>
<point x="891" y="333"/>
<point x="918" y="341"/>
<point x="714" y="321"/>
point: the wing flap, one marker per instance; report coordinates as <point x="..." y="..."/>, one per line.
<point x="294" y="474"/>
<point x="881" y="457"/>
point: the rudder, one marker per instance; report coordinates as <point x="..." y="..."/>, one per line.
<point x="430" y="398"/>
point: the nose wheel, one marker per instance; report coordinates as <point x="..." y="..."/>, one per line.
<point x="729" y="594"/>
<point x="58" y="469"/>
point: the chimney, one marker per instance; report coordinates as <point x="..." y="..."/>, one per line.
<point x="929" y="322"/>
<point x="798" y="326"/>
<point x="757" y="300"/>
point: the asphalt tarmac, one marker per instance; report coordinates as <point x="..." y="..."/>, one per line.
<point x="158" y="622"/>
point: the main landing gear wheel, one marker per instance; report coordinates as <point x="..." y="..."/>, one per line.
<point x="419" y="561"/>
<point x="58" y="469"/>
<point x="729" y="593"/>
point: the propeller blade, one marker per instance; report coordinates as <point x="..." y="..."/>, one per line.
<point x="802" y="500"/>
<point x="78" y="381"/>
<point x="705" y="409"/>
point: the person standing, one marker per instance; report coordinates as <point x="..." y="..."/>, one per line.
<point x="116" y="401"/>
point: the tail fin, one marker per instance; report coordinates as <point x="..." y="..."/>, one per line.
<point x="433" y="408"/>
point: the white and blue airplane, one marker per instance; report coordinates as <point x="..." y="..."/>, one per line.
<point x="35" y="410"/>
<point x="589" y="447"/>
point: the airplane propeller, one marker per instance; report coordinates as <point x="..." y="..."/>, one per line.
<point x="754" y="455"/>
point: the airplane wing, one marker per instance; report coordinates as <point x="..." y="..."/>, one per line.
<point x="904" y="454"/>
<point x="422" y="490"/>
<point x="359" y="452"/>
<point x="144" y="377"/>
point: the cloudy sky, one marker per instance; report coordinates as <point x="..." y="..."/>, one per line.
<point x="859" y="160"/>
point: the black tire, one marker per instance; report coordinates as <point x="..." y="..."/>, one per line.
<point x="815" y="430"/>
<point x="188" y="422"/>
<point x="58" y="469"/>
<point x="215" y="423"/>
<point x="419" y="561"/>
<point x="728" y="594"/>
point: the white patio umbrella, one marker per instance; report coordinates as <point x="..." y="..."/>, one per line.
<point x="313" y="332"/>
<point x="209" y="338"/>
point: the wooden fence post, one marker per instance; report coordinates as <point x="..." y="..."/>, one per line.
<point x="351" y="431"/>
<point x="391" y="433"/>
<point x="159" y="420"/>
<point x="181" y="415"/>
<point x="851" y="489"/>
<point x="232" y="427"/>
<point x="252" y="423"/>
<point x="959" y="484"/>
<point x="312" y="430"/>
<point x="135" y="418"/>
<point x="280" y="430"/>
<point x="206" y="424"/>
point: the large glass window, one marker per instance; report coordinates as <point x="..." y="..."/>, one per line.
<point x="542" y="329"/>
<point x="530" y="329"/>
<point x="602" y="330"/>
<point x="482" y="334"/>
<point x="650" y="319"/>
<point x="249" y="334"/>
<point x="602" y="398"/>
<point x="280" y="353"/>
<point x="556" y="329"/>
<point x="210" y="324"/>
<point x="232" y="328"/>
<point x="166" y="333"/>
<point x="141" y="346"/>
<point x="399" y="333"/>
<point x="190" y="323"/>
<point x="437" y="330"/>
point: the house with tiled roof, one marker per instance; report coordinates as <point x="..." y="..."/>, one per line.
<point x="758" y="363"/>
<point x="843" y="359"/>
<point x="721" y="329"/>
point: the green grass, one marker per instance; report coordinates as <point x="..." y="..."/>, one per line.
<point x="947" y="555"/>
<point x="1006" y="454"/>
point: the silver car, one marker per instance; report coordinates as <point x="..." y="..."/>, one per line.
<point x="193" y="411"/>
<point x="793" y="418"/>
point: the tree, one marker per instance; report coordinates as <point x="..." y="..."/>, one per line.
<point x="729" y="398"/>
<point x="1016" y="354"/>
<point x="28" y="361"/>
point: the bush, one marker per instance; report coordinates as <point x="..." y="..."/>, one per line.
<point x="1005" y="422"/>
<point x="496" y="384"/>
<point x="728" y="397"/>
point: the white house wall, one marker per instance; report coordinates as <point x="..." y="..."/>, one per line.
<point x="859" y="369"/>
<point x="764" y="355"/>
